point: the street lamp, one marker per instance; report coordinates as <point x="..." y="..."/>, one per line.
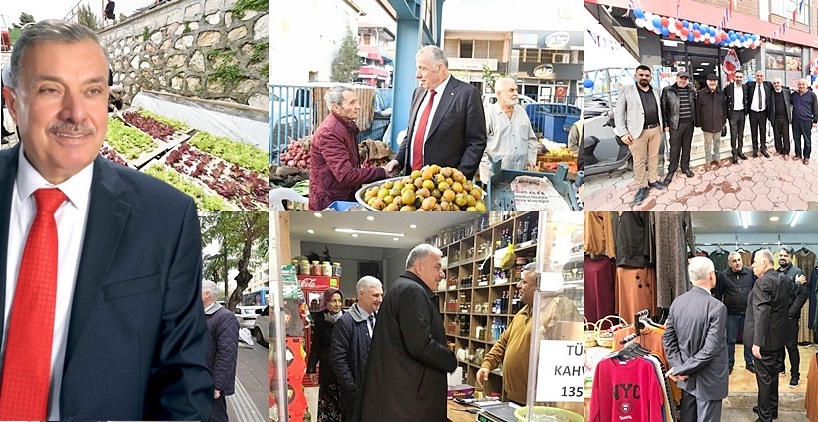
<point x="221" y="255"/>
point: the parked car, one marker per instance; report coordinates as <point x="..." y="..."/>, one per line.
<point x="553" y="120"/>
<point x="602" y="151"/>
<point x="521" y="99"/>
<point x="247" y="315"/>
<point x="261" y="327"/>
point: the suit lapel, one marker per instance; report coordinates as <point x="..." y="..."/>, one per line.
<point x="8" y="172"/>
<point x="107" y="215"/>
<point x="443" y="106"/>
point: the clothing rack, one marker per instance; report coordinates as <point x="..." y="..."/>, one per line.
<point x="637" y="324"/>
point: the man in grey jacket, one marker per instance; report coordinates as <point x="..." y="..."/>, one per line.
<point x="639" y="124"/>
<point x="679" y="115"/>
<point x="694" y="345"/>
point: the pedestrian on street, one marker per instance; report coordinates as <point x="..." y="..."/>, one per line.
<point x="222" y="349"/>
<point x="711" y="110"/>
<point x="804" y="118"/>
<point x="679" y="115"/>
<point x="638" y="121"/>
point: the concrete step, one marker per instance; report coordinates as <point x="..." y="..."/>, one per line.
<point x="786" y="401"/>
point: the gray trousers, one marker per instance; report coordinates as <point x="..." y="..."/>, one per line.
<point x="695" y="410"/>
<point x="712" y="146"/>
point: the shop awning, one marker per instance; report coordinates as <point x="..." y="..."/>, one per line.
<point x="711" y="15"/>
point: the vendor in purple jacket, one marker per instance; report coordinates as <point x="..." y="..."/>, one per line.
<point x="335" y="167"/>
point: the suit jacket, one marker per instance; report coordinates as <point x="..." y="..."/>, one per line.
<point x="730" y="97"/>
<point x="751" y="90"/>
<point x="408" y="358"/>
<point x="787" y="101"/>
<point x="628" y="113"/>
<point x="766" y="322"/>
<point x="137" y="339"/>
<point x="457" y="135"/>
<point x="694" y="344"/>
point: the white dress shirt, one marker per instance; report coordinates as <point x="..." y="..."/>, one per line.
<point x="71" y="219"/>
<point x="738" y="97"/>
<point x="759" y="92"/>
<point x="511" y="140"/>
<point x="439" y="94"/>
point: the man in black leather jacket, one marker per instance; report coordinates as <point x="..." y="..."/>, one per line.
<point x="798" y="296"/>
<point x="678" y="105"/>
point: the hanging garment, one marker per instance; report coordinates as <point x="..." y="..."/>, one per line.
<point x="806" y="259"/>
<point x="811" y="399"/>
<point x="599" y="287"/>
<point x="651" y="339"/>
<point x="599" y="233"/>
<point x="633" y="240"/>
<point x="635" y="291"/>
<point x="813" y="300"/>
<point x="626" y="390"/>
<point x="746" y="258"/>
<point x="673" y="234"/>
<point x="719" y="258"/>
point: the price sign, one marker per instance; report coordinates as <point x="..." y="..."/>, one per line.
<point x="561" y="371"/>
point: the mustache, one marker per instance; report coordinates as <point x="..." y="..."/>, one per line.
<point x="65" y="127"/>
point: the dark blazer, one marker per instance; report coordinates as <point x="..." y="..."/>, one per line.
<point x="694" y="343"/>
<point x="137" y="340"/>
<point x="766" y="323"/>
<point x="457" y="135"/>
<point x="751" y="90"/>
<point x="348" y="356"/>
<point x="408" y="358"/>
<point x="730" y="97"/>
<point x="787" y="101"/>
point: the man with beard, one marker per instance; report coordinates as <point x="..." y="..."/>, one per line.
<point x="733" y="285"/>
<point x="797" y="297"/>
<point x="735" y="93"/>
<point x="804" y="118"/>
<point x="711" y="110"/>
<point x="639" y="125"/>
<point x="511" y="140"/>
<point x="679" y="115"/>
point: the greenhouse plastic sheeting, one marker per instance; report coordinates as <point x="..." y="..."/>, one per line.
<point x="235" y="121"/>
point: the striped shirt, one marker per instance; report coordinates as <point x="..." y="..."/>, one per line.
<point x="685" y="111"/>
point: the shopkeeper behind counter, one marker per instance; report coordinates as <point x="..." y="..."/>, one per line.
<point x="513" y="348"/>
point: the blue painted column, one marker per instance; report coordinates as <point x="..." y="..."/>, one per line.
<point x="407" y="45"/>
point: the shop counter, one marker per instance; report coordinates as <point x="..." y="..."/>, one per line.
<point x="456" y="412"/>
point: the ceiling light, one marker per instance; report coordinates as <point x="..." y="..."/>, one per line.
<point x="317" y="214"/>
<point x="774" y="218"/>
<point x="370" y="218"/>
<point x="310" y="231"/>
<point x="745" y="219"/>
<point x="413" y="226"/>
<point x="795" y="218"/>
<point x="354" y="234"/>
<point x="356" y="231"/>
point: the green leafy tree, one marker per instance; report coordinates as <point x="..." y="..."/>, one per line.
<point x="345" y="66"/>
<point x="87" y="18"/>
<point x="24" y="19"/>
<point x="244" y="239"/>
<point x="489" y="77"/>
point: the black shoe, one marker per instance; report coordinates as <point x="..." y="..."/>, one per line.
<point x="755" y="155"/>
<point x="668" y="178"/>
<point x="765" y="154"/>
<point x="688" y="173"/>
<point x="775" y="412"/>
<point x="742" y="156"/>
<point x="751" y="368"/>
<point x="731" y="371"/>
<point x="657" y="185"/>
<point x="640" y="196"/>
<point x="794" y="382"/>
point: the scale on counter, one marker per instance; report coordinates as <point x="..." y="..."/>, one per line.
<point x="501" y="413"/>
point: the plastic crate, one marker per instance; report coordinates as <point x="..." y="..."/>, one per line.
<point x="501" y="198"/>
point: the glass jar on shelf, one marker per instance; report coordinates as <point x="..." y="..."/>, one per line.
<point x="315" y="268"/>
<point x="304" y="267"/>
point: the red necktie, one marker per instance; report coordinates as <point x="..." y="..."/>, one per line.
<point x="27" y="364"/>
<point x="420" y="136"/>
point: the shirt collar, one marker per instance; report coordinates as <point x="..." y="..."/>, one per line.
<point x="77" y="188"/>
<point x="442" y="87"/>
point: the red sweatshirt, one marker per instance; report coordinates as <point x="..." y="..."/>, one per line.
<point x="626" y="391"/>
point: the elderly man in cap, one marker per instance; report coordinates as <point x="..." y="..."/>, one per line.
<point x="711" y="113"/>
<point x="679" y="115"/>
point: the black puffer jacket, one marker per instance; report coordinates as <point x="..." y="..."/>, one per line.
<point x="348" y="355"/>
<point x="222" y="348"/>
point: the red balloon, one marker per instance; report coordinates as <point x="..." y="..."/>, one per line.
<point x="679" y="25"/>
<point x="665" y="22"/>
<point x="707" y="40"/>
<point x="672" y="35"/>
<point x="696" y="33"/>
<point x="685" y="31"/>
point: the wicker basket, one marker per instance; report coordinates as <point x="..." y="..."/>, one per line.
<point x="590" y="334"/>
<point x="605" y="337"/>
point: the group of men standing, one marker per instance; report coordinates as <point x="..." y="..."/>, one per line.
<point x="763" y="300"/>
<point x="642" y="114"/>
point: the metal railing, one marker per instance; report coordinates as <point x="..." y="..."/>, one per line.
<point x="292" y="116"/>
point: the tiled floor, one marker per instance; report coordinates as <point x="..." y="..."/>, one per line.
<point x="763" y="184"/>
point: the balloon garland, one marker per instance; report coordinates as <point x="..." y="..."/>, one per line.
<point x="694" y="31"/>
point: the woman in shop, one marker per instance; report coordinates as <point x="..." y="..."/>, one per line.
<point x="329" y="404"/>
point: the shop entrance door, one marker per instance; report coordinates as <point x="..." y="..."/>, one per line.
<point x="703" y="63"/>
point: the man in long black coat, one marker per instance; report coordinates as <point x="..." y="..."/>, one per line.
<point x="409" y="357"/>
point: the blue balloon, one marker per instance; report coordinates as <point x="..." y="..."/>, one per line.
<point x="732" y="36"/>
<point x="657" y="23"/>
<point x="686" y="24"/>
<point x="731" y="32"/>
<point x="665" y="31"/>
<point x="690" y="37"/>
<point x="588" y="84"/>
<point x="697" y="26"/>
<point x="754" y="37"/>
<point x="639" y="13"/>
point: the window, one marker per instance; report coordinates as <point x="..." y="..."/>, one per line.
<point x="466" y="49"/>
<point x="450" y="46"/>
<point x="496" y="50"/>
<point x="562" y="58"/>
<point x="784" y="8"/>
<point x="481" y="49"/>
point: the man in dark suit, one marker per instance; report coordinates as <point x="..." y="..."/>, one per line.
<point x="780" y="117"/>
<point x="116" y="283"/>
<point x="694" y="345"/>
<point x="757" y="102"/>
<point x="409" y="357"/>
<point x="765" y="331"/>
<point x="734" y="94"/>
<point x="447" y="124"/>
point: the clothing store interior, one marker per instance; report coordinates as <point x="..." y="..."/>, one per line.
<point x="483" y="261"/>
<point x="636" y="266"/>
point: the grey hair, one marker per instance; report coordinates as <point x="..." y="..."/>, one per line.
<point x="335" y="95"/>
<point x="502" y="81"/>
<point x="532" y="267"/>
<point x="56" y="31"/>
<point x="699" y="268"/>
<point x="419" y="252"/>
<point x="732" y="254"/>
<point x="767" y="255"/>
<point x="367" y="282"/>
<point x="435" y="53"/>
<point x="778" y="80"/>
<point x="209" y="286"/>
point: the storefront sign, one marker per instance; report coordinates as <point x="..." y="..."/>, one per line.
<point x="561" y="371"/>
<point x="544" y="71"/>
<point x="548" y="40"/>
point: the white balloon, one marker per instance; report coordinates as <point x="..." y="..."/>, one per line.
<point x="640" y="22"/>
<point x="649" y="16"/>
